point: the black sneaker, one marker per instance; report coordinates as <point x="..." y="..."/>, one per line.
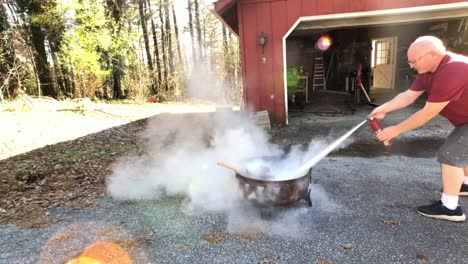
<point x="464" y="190"/>
<point x="439" y="211"/>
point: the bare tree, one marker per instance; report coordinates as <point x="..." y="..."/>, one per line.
<point x="60" y="52"/>
<point x="192" y="38"/>
<point x="198" y="29"/>
<point x="226" y="59"/>
<point x="115" y="8"/>
<point x="169" y="37"/>
<point x="156" y="48"/>
<point x="141" y="8"/>
<point x="176" y="31"/>
<point x="38" y="38"/>
<point x="163" y="46"/>
<point x="7" y="57"/>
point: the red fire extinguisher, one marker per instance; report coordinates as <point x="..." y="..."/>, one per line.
<point x="375" y="125"/>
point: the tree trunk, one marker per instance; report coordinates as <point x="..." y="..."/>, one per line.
<point x="156" y="50"/>
<point x="226" y="62"/>
<point x="198" y="29"/>
<point x="54" y="26"/>
<point x="58" y="74"/>
<point x="169" y="37"/>
<point x="7" y="58"/>
<point x="40" y="56"/>
<point x="19" y="18"/>
<point x="192" y="38"/>
<point x="163" y="47"/>
<point x="116" y="60"/>
<point x="142" y="12"/>
<point x="117" y="84"/>
<point x="176" y="31"/>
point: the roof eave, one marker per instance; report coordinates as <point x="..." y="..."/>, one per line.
<point x="226" y="12"/>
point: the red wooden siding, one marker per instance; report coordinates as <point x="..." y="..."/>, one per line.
<point x="279" y="28"/>
<point x="293" y="9"/>
<point x="249" y="64"/>
<point x="264" y="24"/>
<point x="343" y="6"/>
<point x="263" y="82"/>
<point x="323" y="8"/>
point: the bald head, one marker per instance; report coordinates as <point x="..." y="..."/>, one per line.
<point x="428" y="44"/>
<point x="425" y="54"/>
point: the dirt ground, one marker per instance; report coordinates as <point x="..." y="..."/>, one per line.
<point x="54" y="153"/>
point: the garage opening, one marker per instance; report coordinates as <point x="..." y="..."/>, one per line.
<point x="361" y="57"/>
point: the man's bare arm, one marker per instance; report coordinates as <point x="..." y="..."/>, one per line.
<point x="418" y="119"/>
<point x="421" y="117"/>
<point x="402" y="100"/>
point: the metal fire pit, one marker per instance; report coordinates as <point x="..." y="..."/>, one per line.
<point x="276" y="192"/>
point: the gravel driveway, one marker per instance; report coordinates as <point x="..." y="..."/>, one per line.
<point x="363" y="211"/>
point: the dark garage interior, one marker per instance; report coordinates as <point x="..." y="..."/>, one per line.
<point x="354" y="45"/>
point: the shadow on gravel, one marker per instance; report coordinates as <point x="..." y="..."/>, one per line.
<point x="415" y="148"/>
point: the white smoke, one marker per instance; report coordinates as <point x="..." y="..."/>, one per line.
<point x="182" y="152"/>
<point x="181" y="159"/>
<point x="204" y="84"/>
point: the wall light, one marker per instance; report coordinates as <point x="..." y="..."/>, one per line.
<point x="262" y="40"/>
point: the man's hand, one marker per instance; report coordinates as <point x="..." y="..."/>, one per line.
<point x="378" y="112"/>
<point x="388" y="133"/>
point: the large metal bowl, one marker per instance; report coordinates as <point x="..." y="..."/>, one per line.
<point x="276" y="192"/>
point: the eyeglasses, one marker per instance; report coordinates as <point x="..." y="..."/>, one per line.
<point x="418" y="59"/>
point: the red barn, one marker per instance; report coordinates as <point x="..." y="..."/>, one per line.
<point x="280" y="38"/>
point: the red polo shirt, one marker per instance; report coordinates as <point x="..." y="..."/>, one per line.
<point x="449" y="82"/>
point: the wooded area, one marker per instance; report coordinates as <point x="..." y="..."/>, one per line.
<point x="115" y="49"/>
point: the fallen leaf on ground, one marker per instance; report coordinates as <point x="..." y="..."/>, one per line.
<point x="346" y="246"/>
<point x="422" y="256"/>
<point x="183" y="248"/>
<point x="133" y="243"/>
<point x="392" y="222"/>
<point x="324" y="261"/>
<point x="61" y="237"/>
<point x="268" y="260"/>
<point x="83" y="205"/>
<point x="251" y="237"/>
<point x="215" y="237"/>
<point x="110" y="231"/>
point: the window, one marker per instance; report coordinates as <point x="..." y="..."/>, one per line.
<point x="383" y="51"/>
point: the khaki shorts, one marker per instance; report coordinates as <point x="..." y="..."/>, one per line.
<point x="454" y="151"/>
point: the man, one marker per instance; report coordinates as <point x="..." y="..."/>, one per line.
<point x="444" y="77"/>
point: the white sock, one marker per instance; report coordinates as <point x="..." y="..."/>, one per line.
<point x="451" y="202"/>
<point x="465" y="180"/>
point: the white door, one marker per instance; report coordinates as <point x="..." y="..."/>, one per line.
<point x="384" y="63"/>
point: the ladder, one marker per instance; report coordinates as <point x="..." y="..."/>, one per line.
<point x="460" y="26"/>
<point x="319" y="74"/>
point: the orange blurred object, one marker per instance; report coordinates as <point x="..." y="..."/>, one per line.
<point x="153" y="99"/>
<point x="85" y="260"/>
<point x="103" y="253"/>
<point x="324" y="42"/>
